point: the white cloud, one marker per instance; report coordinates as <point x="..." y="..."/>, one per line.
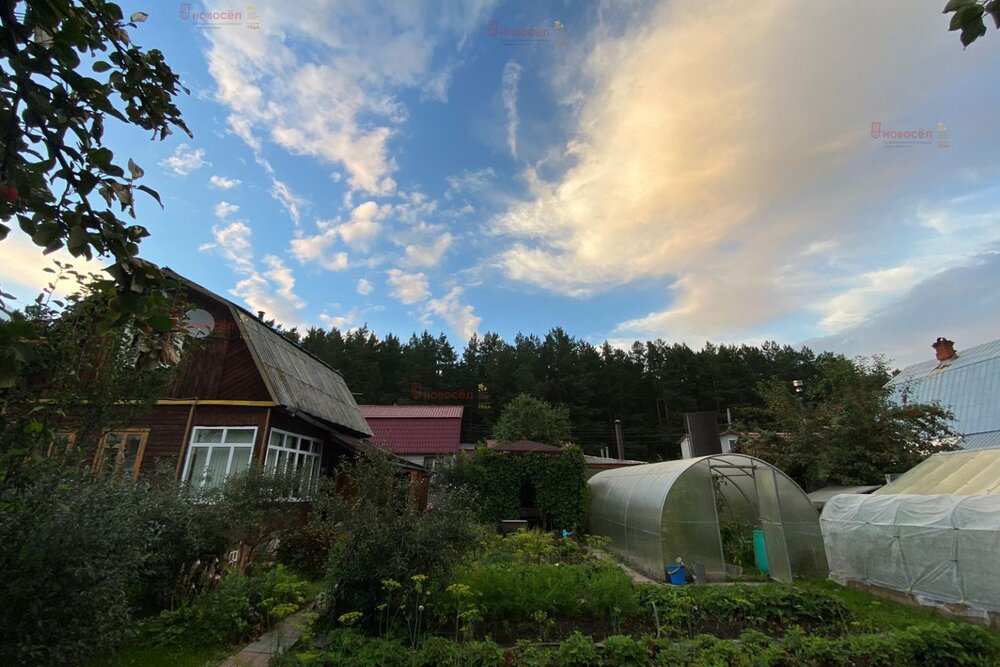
<point x="365" y="287"/>
<point x="429" y="255"/>
<point x="223" y="183"/>
<point x="511" y="77"/>
<point x="271" y="290"/>
<point x="754" y="197"/>
<point x="358" y="232"/>
<point x="322" y="78"/>
<point x="362" y="228"/>
<point x="460" y="317"/>
<point x="23" y="274"/>
<point x="185" y="160"/>
<point x="224" y="209"/>
<point x="410" y="288"/>
<point x="340" y="322"/>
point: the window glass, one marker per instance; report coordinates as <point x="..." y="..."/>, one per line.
<point x="241" y="460"/>
<point x="218" y="463"/>
<point x="208" y="435"/>
<point x="239" y="436"/>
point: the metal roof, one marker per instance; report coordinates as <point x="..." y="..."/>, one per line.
<point x="412" y="411"/>
<point x="822" y="496"/>
<point x="961" y="473"/>
<point x="297" y="380"/>
<point x="605" y="460"/>
<point x="983" y="440"/>
<point x="968" y="385"/>
<point x="414" y="435"/>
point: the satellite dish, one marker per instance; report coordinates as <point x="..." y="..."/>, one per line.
<point x="199" y="323"/>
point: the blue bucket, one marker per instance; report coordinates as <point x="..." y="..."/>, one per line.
<point x="677" y="574"/>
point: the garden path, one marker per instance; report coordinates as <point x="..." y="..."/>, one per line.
<point x="259" y="653"/>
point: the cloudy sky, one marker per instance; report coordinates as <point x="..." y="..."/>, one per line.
<point x="685" y="171"/>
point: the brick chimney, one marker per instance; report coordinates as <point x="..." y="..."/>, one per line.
<point x="944" y="349"/>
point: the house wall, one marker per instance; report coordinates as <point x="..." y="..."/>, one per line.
<point x="222" y="367"/>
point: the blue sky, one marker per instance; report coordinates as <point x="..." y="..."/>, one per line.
<point x="685" y="171"/>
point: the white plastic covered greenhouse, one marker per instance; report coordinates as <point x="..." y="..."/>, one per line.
<point x="934" y="533"/>
<point x="659" y="512"/>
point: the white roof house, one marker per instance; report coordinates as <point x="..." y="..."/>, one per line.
<point x="967" y="382"/>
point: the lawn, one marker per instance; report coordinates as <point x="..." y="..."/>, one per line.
<point x="158" y="656"/>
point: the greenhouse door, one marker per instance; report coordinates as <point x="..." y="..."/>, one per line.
<point x="769" y="505"/>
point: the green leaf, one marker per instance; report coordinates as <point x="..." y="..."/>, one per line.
<point x="138" y="17"/>
<point x="101" y="66"/>
<point x="152" y="193"/>
<point x="161" y="323"/>
<point x="955" y="5"/>
<point x="135" y="169"/>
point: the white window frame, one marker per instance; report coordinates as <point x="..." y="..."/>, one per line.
<point x="314" y="458"/>
<point x="212" y="445"/>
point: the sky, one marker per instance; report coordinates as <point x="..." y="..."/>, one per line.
<point x="819" y="173"/>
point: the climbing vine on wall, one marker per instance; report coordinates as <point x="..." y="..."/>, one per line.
<point x="559" y="481"/>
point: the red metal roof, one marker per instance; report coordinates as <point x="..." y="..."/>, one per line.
<point x="412" y="411"/>
<point x="415" y="429"/>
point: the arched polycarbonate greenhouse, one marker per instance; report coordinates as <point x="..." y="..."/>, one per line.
<point x="659" y="512"/>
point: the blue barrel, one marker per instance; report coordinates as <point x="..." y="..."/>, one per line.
<point x="760" y="551"/>
<point x="677" y="574"/>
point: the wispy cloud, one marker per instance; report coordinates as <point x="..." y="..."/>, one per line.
<point x="224" y="209"/>
<point x="510" y="80"/>
<point x="427" y="255"/>
<point x="409" y="288"/>
<point x="459" y="316"/>
<point x="364" y="287"/>
<point x="185" y="160"/>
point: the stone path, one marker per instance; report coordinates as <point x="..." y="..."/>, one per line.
<point x="259" y="653"/>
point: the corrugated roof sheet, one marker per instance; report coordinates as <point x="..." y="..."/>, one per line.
<point x="604" y="460"/>
<point x="968" y="385"/>
<point x="962" y="473"/>
<point x="412" y="411"/>
<point x="417" y="435"/>
<point x="982" y="440"/>
<point x="298" y="380"/>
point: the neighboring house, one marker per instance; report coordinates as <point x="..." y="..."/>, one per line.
<point x="422" y="434"/>
<point x="727" y="441"/>
<point x="965" y="381"/>
<point x="596" y="464"/>
<point x="246" y="394"/>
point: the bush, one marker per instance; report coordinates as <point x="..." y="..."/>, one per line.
<point x="385" y="537"/>
<point x="238" y="609"/>
<point x="623" y="651"/>
<point x="516" y="592"/>
<point x="307" y="549"/>
<point x="578" y="650"/>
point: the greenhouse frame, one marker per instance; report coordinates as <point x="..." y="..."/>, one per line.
<point x="659" y="512"/>
<point x="933" y="533"/>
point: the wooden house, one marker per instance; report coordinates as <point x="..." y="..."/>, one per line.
<point x="245" y="394"/>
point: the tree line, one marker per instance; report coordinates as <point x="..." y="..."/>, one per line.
<point x="649" y="386"/>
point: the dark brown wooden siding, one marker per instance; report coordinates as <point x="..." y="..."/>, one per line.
<point x="221" y="366"/>
<point x="167" y="423"/>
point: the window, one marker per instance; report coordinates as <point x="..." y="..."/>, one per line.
<point x="63" y="442"/>
<point x="217" y="452"/>
<point x="119" y="452"/>
<point x="294" y="454"/>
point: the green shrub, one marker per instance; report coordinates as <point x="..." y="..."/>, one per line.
<point x="238" y="609"/>
<point x="579" y="650"/>
<point x="307" y="549"/>
<point x="623" y="651"/>
<point x="485" y="653"/>
<point x="515" y="592"/>
<point x="385" y="537"/>
<point x="437" y="651"/>
<point x="527" y="654"/>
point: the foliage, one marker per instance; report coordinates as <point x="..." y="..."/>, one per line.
<point x="307" y="549"/>
<point x="578" y="650"/>
<point x="386" y="537"/>
<point x="969" y="16"/>
<point x="530" y="418"/>
<point x="649" y="386"/>
<point x="847" y="430"/>
<point x="53" y="116"/>
<point x="83" y="552"/>
<point x="239" y="608"/>
<point x="531" y="547"/>
<point x="517" y="592"/>
<point x="559" y="482"/>
<point x="734" y="609"/>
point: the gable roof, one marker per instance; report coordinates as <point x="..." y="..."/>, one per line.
<point x="296" y="380"/>
<point x="412" y="411"/>
<point x="968" y="385"/>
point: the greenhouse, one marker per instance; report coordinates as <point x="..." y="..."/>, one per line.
<point x="706" y="511"/>
<point x="934" y="533"/>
